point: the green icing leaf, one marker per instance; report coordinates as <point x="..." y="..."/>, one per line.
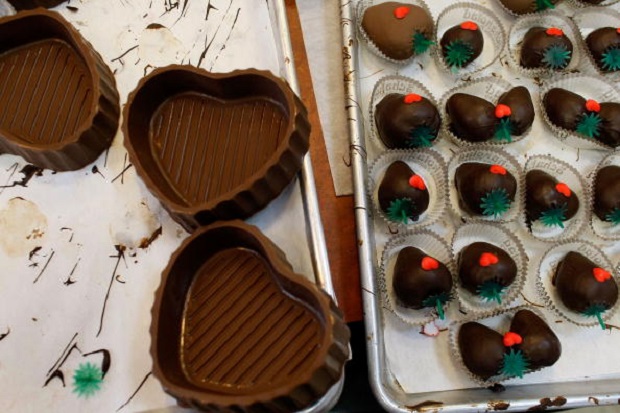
<point x="554" y="217"/>
<point x="514" y="364"/>
<point x="495" y="203"/>
<point x="504" y="130"/>
<point x="421" y="137"/>
<point x="458" y="54"/>
<point x="613" y="216"/>
<point x="596" y="310"/>
<point x="421" y="43"/>
<point x="401" y="210"/>
<point x="611" y="59"/>
<point x="438" y="301"/>
<point x="556" y="57"/>
<point x="544" y="5"/>
<point x="589" y="125"/>
<point x="491" y="290"/>
<point x="87" y="380"/>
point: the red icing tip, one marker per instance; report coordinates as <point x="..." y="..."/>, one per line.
<point x="469" y="25"/>
<point x="563" y="189"/>
<point x="601" y="275"/>
<point x="554" y="31"/>
<point x="429" y="264"/>
<point x="592" y="105"/>
<point x="487" y="259"/>
<point x="412" y="97"/>
<point x="417" y="182"/>
<point x="497" y="170"/>
<point x="618" y="30"/>
<point x="510" y="339"/>
<point x="501" y="111"/>
<point x="401" y="12"/>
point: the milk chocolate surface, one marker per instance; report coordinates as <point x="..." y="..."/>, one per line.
<point x="233" y="325"/>
<point x="59" y="106"/>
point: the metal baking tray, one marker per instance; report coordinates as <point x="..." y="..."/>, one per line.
<point x="390" y="394"/>
<point x="72" y="263"/>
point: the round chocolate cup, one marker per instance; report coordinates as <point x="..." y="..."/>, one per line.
<point x="434" y="246"/>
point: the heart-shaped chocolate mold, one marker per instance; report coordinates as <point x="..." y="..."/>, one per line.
<point x="544" y="47"/>
<point x="233" y="325"/>
<point x="398" y="198"/>
<point x="58" y="101"/>
<point x="546" y="201"/>
<point x="482" y="349"/>
<point x="519" y="100"/>
<point x="416" y="286"/>
<point x="607" y="194"/>
<point x="540" y="346"/>
<point x="472" y="118"/>
<point x="564" y="108"/>
<point x="215" y="146"/>
<point x="399" y="34"/>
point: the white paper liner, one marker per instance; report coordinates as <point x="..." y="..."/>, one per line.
<point x="587" y="86"/>
<point x="359" y="12"/>
<point x="490" y="155"/>
<point x="589" y="19"/>
<point x="545" y="19"/>
<point x="434" y="246"/>
<point x="427" y="163"/>
<point x="404" y="86"/>
<point x="605" y="230"/>
<point x="502" y="238"/>
<point x="548" y="292"/>
<point x="492" y="30"/>
<point x="512" y="13"/>
<point x="581" y="4"/>
<point x="499" y="321"/>
<point x="564" y="173"/>
<point x="489" y="88"/>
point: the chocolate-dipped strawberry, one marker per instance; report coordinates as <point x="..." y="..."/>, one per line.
<point x="528" y="6"/>
<point x="482" y="349"/>
<point x="486" y="270"/>
<point x="407" y="121"/>
<point x="584" y="287"/>
<point x="461" y="44"/>
<point x="399" y="30"/>
<point x="609" y="125"/>
<point x="607" y="194"/>
<point x="472" y="118"/>
<point x="564" y="108"/>
<point x="604" y="45"/>
<point x="421" y="281"/>
<point x="403" y="195"/>
<point x="483" y="189"/>
<point x="546" y="48"/>
<point x="515" y="112"/>
<point x="548" y="200"/>
<point x="539" y="344"/>
<point x="591" y="1"/>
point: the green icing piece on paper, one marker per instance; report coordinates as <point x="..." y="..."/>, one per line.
<point x="87" y="380"/>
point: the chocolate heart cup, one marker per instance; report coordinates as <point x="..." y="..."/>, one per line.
<point x="215" y="146"/>
<point x="59" y="106"/>
<point x="235" y="329"/>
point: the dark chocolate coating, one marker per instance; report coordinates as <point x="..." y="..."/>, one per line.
<point x="610" y="125"/>
<point x="471" y="37"/>
<point x="392" y="36"/>
<point x="541" y="196"/>
<point x="395" y="185"/>
<point x="519" y="100"/>
<point x="396" y="119"/>
<point x="473" y="275"/>
<point x="413" y="284"/>
<point x="33" y="4"/>
<point x="564" y="108"/>
<point x="472" y="118"/>
<point x="540" y="346"/>
<point x="606" y="191"/>
<point x="592" y="1"/>
<point x="600" y="41"/>
<point x="522" y="6"/>
<point x="475" y="180"/>
<point x="577" y="287"/>
<point x="482" y="349"/>
<point x="535" y="42"/>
